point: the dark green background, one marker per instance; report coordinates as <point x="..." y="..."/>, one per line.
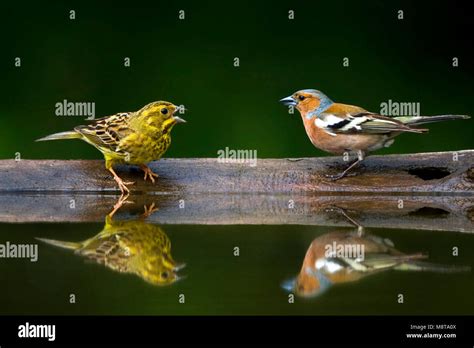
<point x="190" y="62"/>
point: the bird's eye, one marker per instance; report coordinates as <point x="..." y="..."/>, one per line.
<point x="301" y="97"/>
<point x="164" y="275"/>
<point x="164" y="111"/>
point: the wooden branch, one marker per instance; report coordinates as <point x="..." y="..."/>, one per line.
<point x="420" y="173"/>
<point x="421" y="191"/>
<point x="442" y="213"/>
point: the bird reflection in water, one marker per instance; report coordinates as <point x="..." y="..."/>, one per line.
<point x="133" y="246"/>
<point x="341" y="256"/>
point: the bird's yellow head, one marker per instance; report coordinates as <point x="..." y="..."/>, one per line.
<point x="160" y="277"/>
<point x="161" y="115"/>
<point x="309" y="102"/>
<point x="160" y="270"/>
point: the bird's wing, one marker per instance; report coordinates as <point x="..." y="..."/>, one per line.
<point x="348" y="119"/>
<point x="109" y="251"/>
<point x="106" y="133"/>
<point x="375" y="261"/>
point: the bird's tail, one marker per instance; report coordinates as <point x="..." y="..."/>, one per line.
<point x="62" y="135"/>
<point x="417" y="120"/>
<point x="432" y="267"/>
<point x="61" y="244"/>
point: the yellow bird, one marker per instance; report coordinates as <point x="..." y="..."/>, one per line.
<point x="134" y="246"/>
<point x="129" y="138"/>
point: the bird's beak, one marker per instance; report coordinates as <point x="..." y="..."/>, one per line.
<point x="288" y="101"/>
<point x="180" y="277"/>
<point x="179" y="267"/>
<point x="289" y="285"/>
<point x="179" y="119"/>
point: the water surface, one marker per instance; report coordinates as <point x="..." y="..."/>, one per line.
<point x="216" y="281"/>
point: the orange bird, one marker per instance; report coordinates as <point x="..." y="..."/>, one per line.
<point x="340" y="128"/>
<point x="346" y="256"/>
<point x="340" y="257"/>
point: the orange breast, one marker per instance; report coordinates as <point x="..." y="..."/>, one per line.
<point x="342" y="142"/>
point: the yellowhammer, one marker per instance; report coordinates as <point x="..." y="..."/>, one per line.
<point x="133" y="246"/>
<point x="129" y="137"/>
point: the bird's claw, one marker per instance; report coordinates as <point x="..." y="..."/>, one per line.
<point x="335" y="177"/>
<point x="122" y="200"/>
<point x="343" y="212"/>
<point x="332" y="209"/>
<point x="123" y="187"/>
<point x="121" y="184"/>
<point x="149" y="210"/>
<point x="337" y="209"/>
<point x="149" y="174"/>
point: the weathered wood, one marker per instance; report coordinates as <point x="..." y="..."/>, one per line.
<point x="420" y="173"/>
<point x="422" y="191"/>
<point x="442" y="213"/>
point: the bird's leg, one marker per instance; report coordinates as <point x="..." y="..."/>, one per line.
<point x="148" y="173"/>
<point x="119" y="204"/>
<point x="360" y="228"/>
<point x="360" y="158"/>
<point x="122" y="185"/>
<point x="344" y="173"/>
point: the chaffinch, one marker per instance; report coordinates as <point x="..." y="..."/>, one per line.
<point x="346" y="256"/>
<point x="340" y="128"/>
<point x="320" y="270"/>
